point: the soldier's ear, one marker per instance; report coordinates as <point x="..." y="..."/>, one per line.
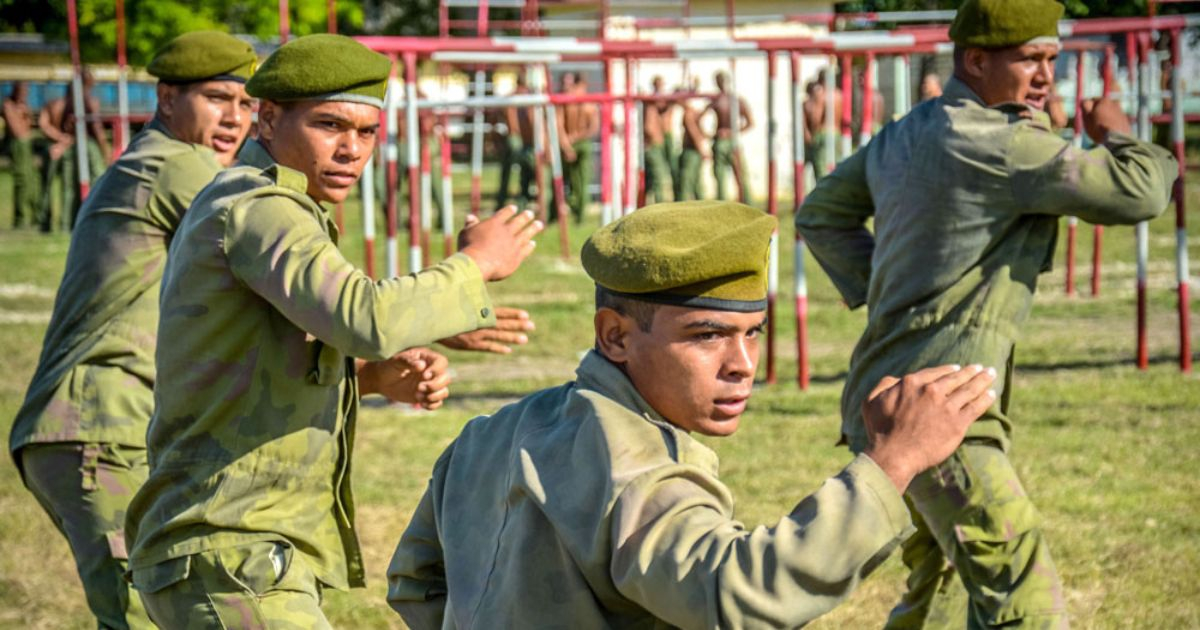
<point x="268" y="117"/>
<point x="165" y="92"/>
<point x="612" y="334"/>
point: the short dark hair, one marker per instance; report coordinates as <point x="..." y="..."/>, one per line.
<point x="641" y="311"/>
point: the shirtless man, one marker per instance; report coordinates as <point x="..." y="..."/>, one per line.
<point x="517" y="149"/>
<point x="687" y="185"/>
<point x="57" y="123"/>
<point x="725" y="155"/>
<point x="655" y="147"/>
<point x="578" y="123"/>
<point x="18" y="121"/>
<point x="816" y="135"/>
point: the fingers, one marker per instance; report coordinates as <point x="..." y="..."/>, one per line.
<point x="885" y="384"/>
<point x="954" y="379"/>
<point x="971" y="390"/>
<point x="505" y="337"/>
<point x="472" y="221"/>
<point x="977" y="406"/>
<point x="513" y="319"/>
<point x="437" y="365"/>
<point x="931" y="374"/>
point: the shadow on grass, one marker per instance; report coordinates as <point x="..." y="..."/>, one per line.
<point x="1053" y="366"/>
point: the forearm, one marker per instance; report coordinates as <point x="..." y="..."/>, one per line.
<point x="833" y="224"/>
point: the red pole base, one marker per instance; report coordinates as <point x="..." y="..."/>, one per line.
<point x="476" y="194"/>
<point x="369" y="254"/>
<point x="426" y="255"/>
<point x="1185" y="334"/>
<point x="1097" y="242"/>
<point x="802" y="376"/>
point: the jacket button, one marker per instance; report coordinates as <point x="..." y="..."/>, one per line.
<point x="484" y="312"/>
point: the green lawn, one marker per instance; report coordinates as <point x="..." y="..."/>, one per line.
<point x="1109" y="453"/>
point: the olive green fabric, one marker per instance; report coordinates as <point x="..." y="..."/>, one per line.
<point x="85" y="488"/>
<point x="578" y="176"/>
<point x="60" y="180"/>
<point x="322" y="67"/>
<point x="25" y="184"/>
<point x="705" y="254"/>
<point x="723" y="156"/>
<point x="687" y="187"/>
<point x="1003" y="23"/>
<point x="580" y="506"/>
<point x="203" y="56"/>
<point x="255" y="407"/>
<point x="658" y="172"/>
<point x="966" y="201"/>
<point x="253" y="586"/>
<point x="95" y="378"/>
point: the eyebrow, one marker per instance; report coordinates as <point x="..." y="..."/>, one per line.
<point x="720" y="326"/>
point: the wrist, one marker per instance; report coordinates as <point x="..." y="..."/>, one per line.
<point x="481" y="262"/>
<point x="896" y="469"/>
<point x="367" y="382"/>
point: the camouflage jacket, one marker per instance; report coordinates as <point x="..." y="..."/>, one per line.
<point x="580" y="506"/>
<point x="966" y="201"/>
<point x="95" y="379"/>
<point x="256" y="400"/>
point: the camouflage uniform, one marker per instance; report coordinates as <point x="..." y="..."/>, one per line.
<point x="255" y="410"/>
<point x="966" y="201"/>
<point x="79" y="438"/>
<point x="581" y="506"/>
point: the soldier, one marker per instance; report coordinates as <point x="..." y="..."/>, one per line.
<point x="594" y="507"/>
<point x="79" y="439"/>
<point x="655" y="150"/>
<point x="57" y="122"/>
<point x="578" y="123"/>
<point x="18" y="122"/>
<point x="247" y="513"/>
<point x="965" y="193"/>
<point x="517" y="150"/>
<point x="687" y="185"/>
<point x="727" y="157"/>
<point x="817" y="136"/>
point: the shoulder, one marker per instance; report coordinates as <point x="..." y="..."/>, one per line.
<point x="191" y="163"/>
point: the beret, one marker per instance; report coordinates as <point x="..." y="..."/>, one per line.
<point x="1004" y="23"/>
<point x="204" y="56"/>
<point x="699" y="254"/>
<point x="322" y="67"/>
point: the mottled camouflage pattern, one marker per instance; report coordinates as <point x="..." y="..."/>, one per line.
<point x="255" y="406"/>
<point x="581" y="507"/>
<point x="86" y="488"/>
<point x="257" y="586"/>
<point x="966" y="201"/>
<point x="722" y="157"/>
<point x="94" y="381"/>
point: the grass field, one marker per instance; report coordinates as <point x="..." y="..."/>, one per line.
<point x="1110" y="454"/>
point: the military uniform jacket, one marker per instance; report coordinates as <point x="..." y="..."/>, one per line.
<point x="95" y="378"/>
<point x="256" y="402"/>
<point x="581" y="507"/>
<point x="966" y="201"/>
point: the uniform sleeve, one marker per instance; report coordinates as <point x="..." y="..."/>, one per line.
<point x="180" y="178"/>
<point x="1120" y="182"/>
<point x="678" y="554"/>
<point x="417" y="573"/>
<point x="280" y="251"/>
<point x="833" y="222"/>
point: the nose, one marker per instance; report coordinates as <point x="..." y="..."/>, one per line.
<point x="1045" y="72"/>
<point x="350" y="147"/>
<point x="233" y="114"/>
<point x="741" y="358"/>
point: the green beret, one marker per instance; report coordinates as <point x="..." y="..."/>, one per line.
<point x="204" y="56"/>
<point x="323" y="67"/>
<point x="1004" y="23"/>
<point x="700" y="254"/>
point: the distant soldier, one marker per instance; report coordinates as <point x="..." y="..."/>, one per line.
<point x="593" y="505"/>
<point x="247" y="514"/>
<point x="578" y="124"/>
<point x="517" y="150"/>
<point x="666" y="110"/>
<point x="817" y="135"/>
<point x="18" y="124"/>
<point x="655" y="151"/>
<point x="57" y="122"/>
<point x="79" y="439"/>
<point x="965" y="194"/>
<point x="727" y="157"/>
<point x="694" y="151"/>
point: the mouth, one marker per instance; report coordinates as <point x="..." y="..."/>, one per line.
<point x="340" y="179"/>
<point x="1036" y="101"/>
<point x="224" y="143"/>
<point x="732" y="406"/>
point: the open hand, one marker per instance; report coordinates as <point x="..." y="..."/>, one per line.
<point x="500" y="243"/>
<point x="511" y="326"/>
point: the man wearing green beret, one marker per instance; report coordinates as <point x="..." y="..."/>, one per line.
<point x="966" y="192"/>
<point x="79" y="440"/>
<point x="247" y="513"/>
<point x="590" y="505"/>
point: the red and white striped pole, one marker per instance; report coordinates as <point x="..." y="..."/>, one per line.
<point x="799" y="279"/>
<point x="847" y="105"/>
<point x="556" y="170"/>
<point x="426" y="198"/>
<point x="447" y="191"/>
<point x="1077" y="140"/>
<point x="339" y="211"/>
<point x="121" y="131"/>
<point x="831" y="143"/>
<point x="477" y="146"/>
<point x="1098" y="230"/>
<point x="284" y="29"/>
<point x="773" y="210"/>
<point x="641" y="158"/>
<point x="868" y="103"/>
<point x="413" y="140"/>
<point x="392" y="176"/>
<point x="367" y="189"/>
<point x="606" y="151"/>
<point x="540" y="134"/>
<point x="629" y="192"/>
<point x="1181" y="252"/>
<point x="81" y="118"/>
<point x="1141" y="230"/>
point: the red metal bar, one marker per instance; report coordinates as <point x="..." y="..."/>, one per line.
<point x="847" y="103"/>
<point x="1181" y="252"/>
<point x="331" y="16"/>
<point x="560" y="193"/>
<point x="283" y="22"/>
<point x="773" y="210"/>
<point x="1072" y="222"/>
<point x="802" y="376"/>
<point x="447" y="187"/>
<point x="627" y="192"/>
<point x="606" y="148"/>
<point x="122" y="127"/>
<point x="1098" y="230"/>
<point x="426" y="181"/>
<point x="413" y="128"/>
<point x="868" y="106"/>
<point x="391" y="186"/>
<point x="1143" y="353"/>
<point x="78" y="104"/>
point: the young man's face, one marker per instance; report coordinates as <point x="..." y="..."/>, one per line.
<point x="695" y="367"/>
<point x="216" y="114"/>
<point x="329" y="141"/>
<point x="1021" y="74"/>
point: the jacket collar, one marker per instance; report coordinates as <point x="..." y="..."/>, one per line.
<point x="253" y="154"/>
<point x="600" y="375"/>
<point x="958" y="94"/>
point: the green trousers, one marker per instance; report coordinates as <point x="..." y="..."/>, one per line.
<point x="687" y="185"/>
<point x="25" y="181"/>
<point x="672" y="155"/>
<point x="65" y="172"/>
<point x="658" y="171"/>
<point x="979" y="558"/>
<point x="723" y="157"/>
<point x="519" y="157"/>
<point x="816" y="153"/>
<point x="85" y="488"/>
<point x="260" y="586"/>
<point x="578" y="176"/>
